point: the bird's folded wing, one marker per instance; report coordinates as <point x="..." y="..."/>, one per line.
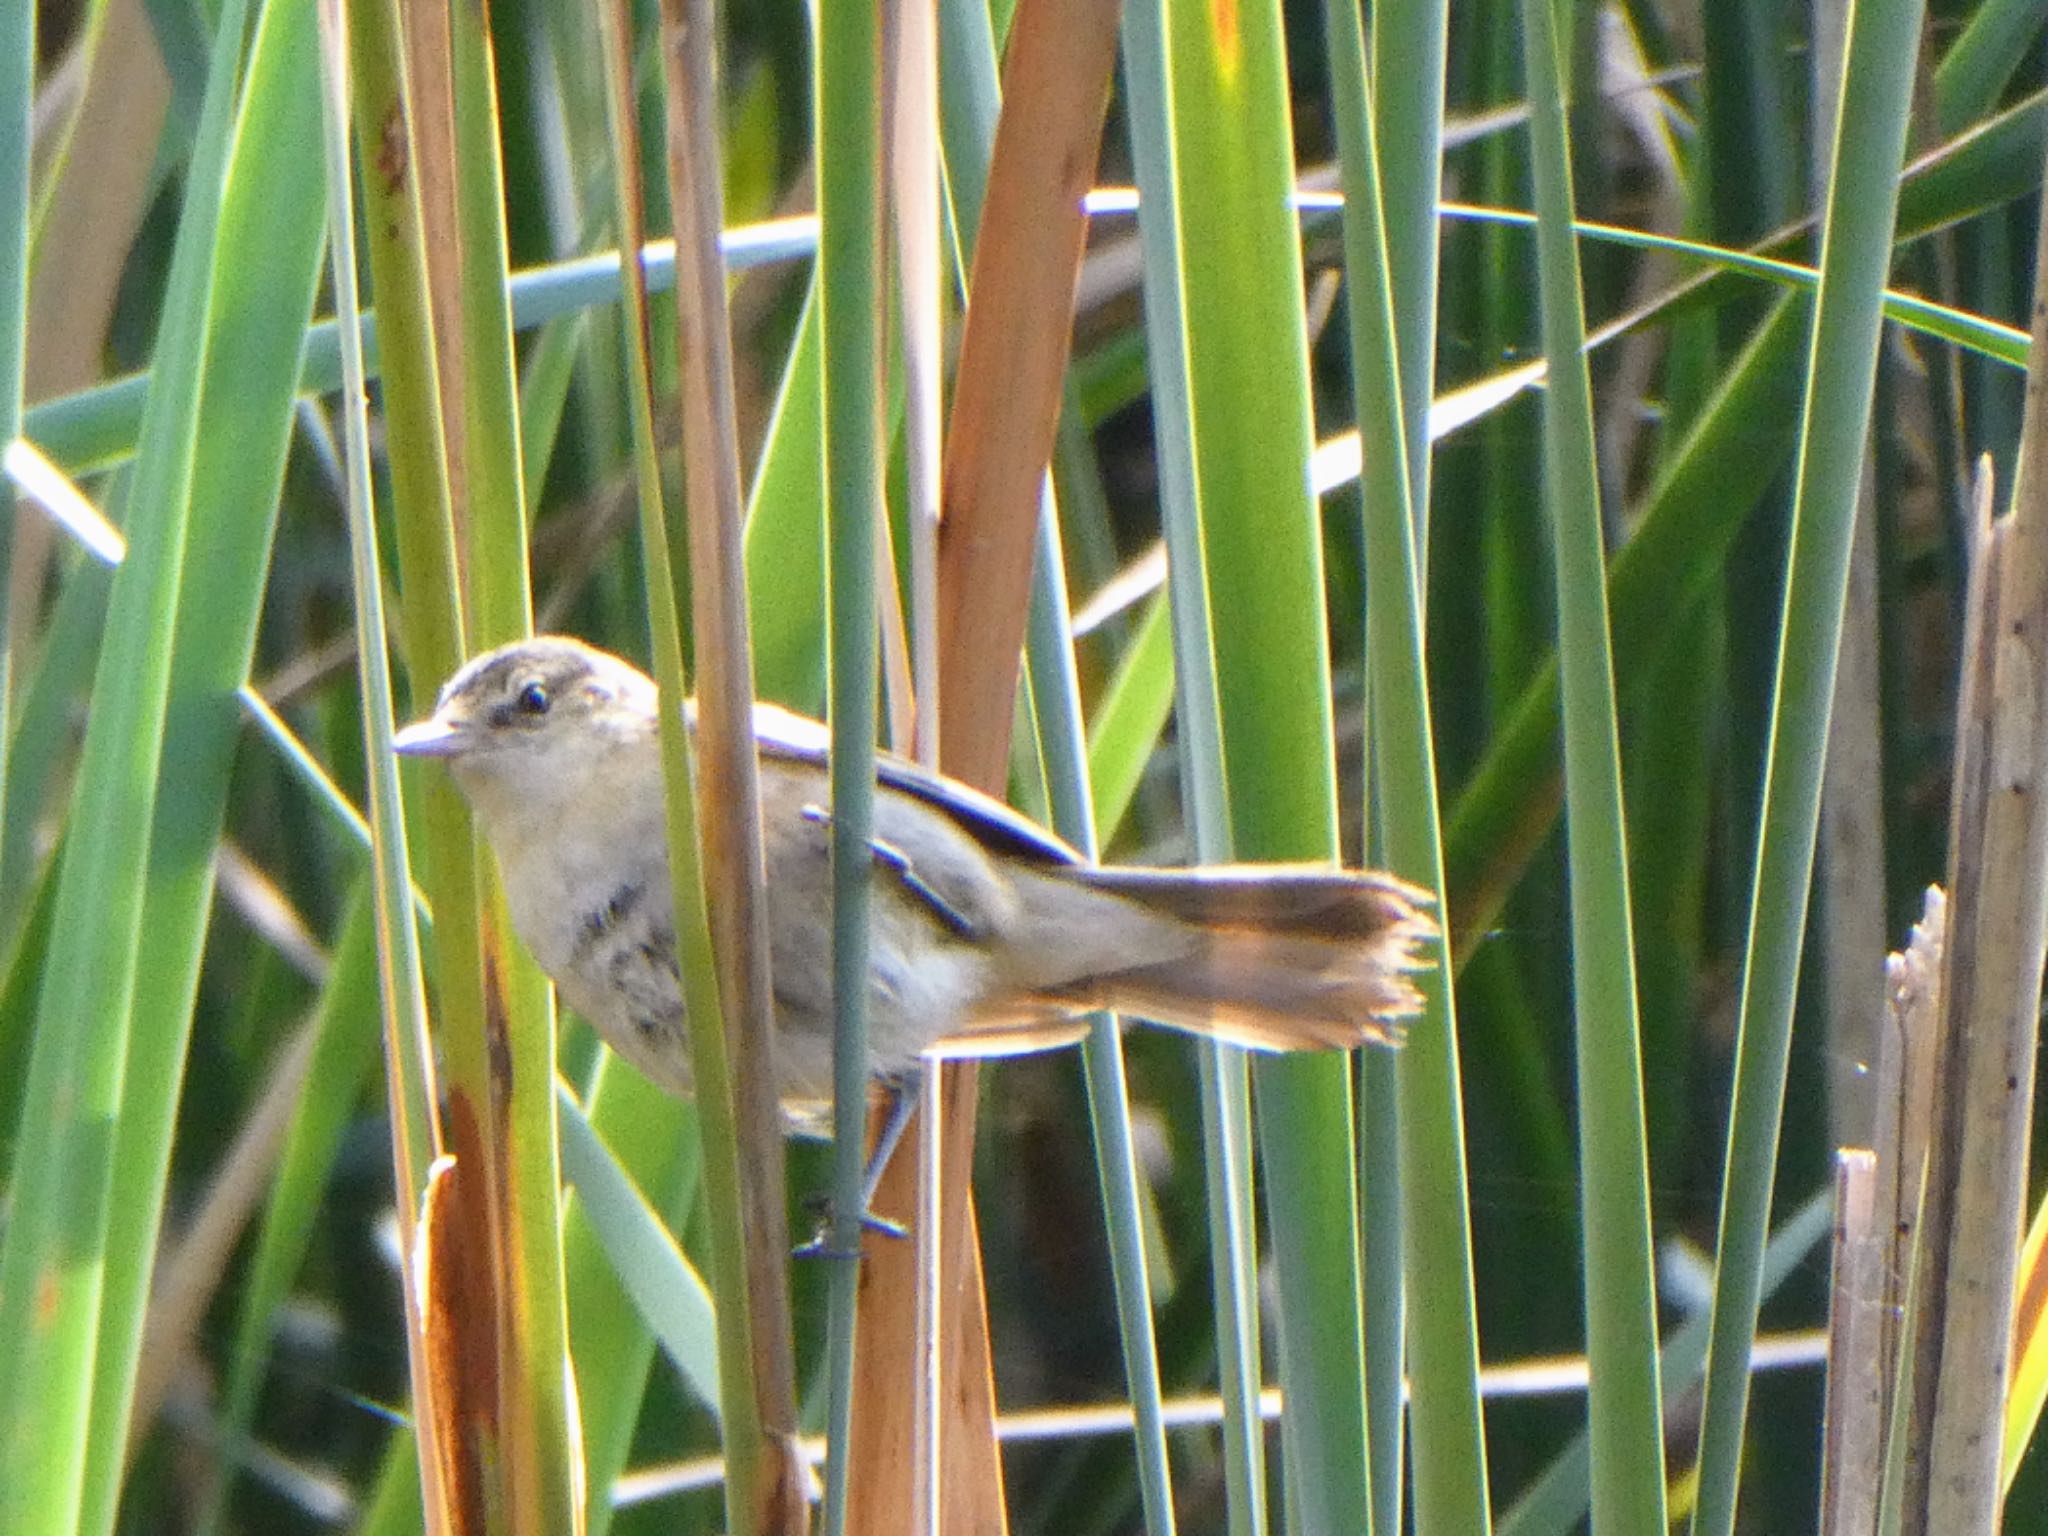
<point x="792" y="737"/>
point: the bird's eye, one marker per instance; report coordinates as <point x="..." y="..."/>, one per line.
<point x="533" y="699"/>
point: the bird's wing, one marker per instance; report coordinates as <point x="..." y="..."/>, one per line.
<point x="792" y="737"/>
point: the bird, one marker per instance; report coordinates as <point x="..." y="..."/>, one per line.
<point x="989" y="935"/>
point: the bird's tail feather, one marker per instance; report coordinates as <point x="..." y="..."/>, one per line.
<point x="1286" y="958"/>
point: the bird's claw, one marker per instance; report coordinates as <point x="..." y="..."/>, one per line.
<point x="819" y="1246"/>
<point x="902" y="1102"/>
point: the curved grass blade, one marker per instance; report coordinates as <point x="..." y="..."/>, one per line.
<point x="1973" y="333"/>
<point x="344" y="1054"/>
<point x="786" y="536"/>
<point x="35" y="479"/>
<point x="1974" y="71"/>
<point x="272" y="223"/>
<point x="41" y="741"/>
<point x="1409" y="45"/>
<point x="1400" y="151"/>
<point x="1132" y="712"/>
<point x="669" y="1293"/>
<point x="54" y="1257"/>
<point x="1410" y="40"/>
<point x="92" y="429"/>
<point x="1735" y="447"/>
<point x="654" y="1147"/>
<point x="95" y="428"/>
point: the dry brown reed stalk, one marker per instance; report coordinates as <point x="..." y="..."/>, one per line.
<point x="425" y="32"/>
<point x="1877" y="1222"/>
<point x="1851" y="1463"/>
<point x="1960" y="1336"/>
<point x="1056" y="75"/>
<point x="451" y="1312"/>
<point x="1904" y="1097"/>
<point x="189" y="1274"/>
<point x="729" y="811"/>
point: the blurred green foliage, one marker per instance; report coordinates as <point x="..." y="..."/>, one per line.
<point x="1688" y="119"/>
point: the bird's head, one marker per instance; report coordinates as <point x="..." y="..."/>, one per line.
<point x="524" y="725"/>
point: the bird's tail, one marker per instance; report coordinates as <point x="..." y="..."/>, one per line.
<point x="1274" y="958"/>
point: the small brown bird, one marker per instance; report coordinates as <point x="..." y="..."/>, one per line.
<point x="989" y="935"/>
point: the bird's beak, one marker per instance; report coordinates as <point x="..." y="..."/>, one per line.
<point x="431" y="737"/>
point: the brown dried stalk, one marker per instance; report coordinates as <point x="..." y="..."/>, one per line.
<point x="1960" y="1338"/>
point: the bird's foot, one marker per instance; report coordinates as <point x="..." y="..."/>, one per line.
<point x="902" y="1104"/>
<point x="820" y="1246"/>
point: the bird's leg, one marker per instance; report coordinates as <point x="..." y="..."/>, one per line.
<point x="902" y="1104"/>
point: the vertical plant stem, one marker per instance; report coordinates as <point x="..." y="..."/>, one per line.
<point x="730" y="802"/>
<point x="1225" y="1083"/>
<point x="1410" y="39"/>
<point x="17" y="101"/>
<point x="1447" y="1430"/>
<point x="1250" y="427"/>
<point x="1408" y="43"/>
<point x="513" y="1092"/>
<point x="1614" y="1175"/>
<point x="1027" y="255"/>
<point x="1961" y="1338"/>
<point x="1056" y="695"/>
<point x="747" y="1481"/>
<point x="1856" y="247"/>
<point x="416" y="455"/>
<point x="975" y="100"/>
<point x="402" y="987"/>
<point x="849" y="294"/>
<point x="1852" y="1456"/>
<point x="914" y="157"/>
